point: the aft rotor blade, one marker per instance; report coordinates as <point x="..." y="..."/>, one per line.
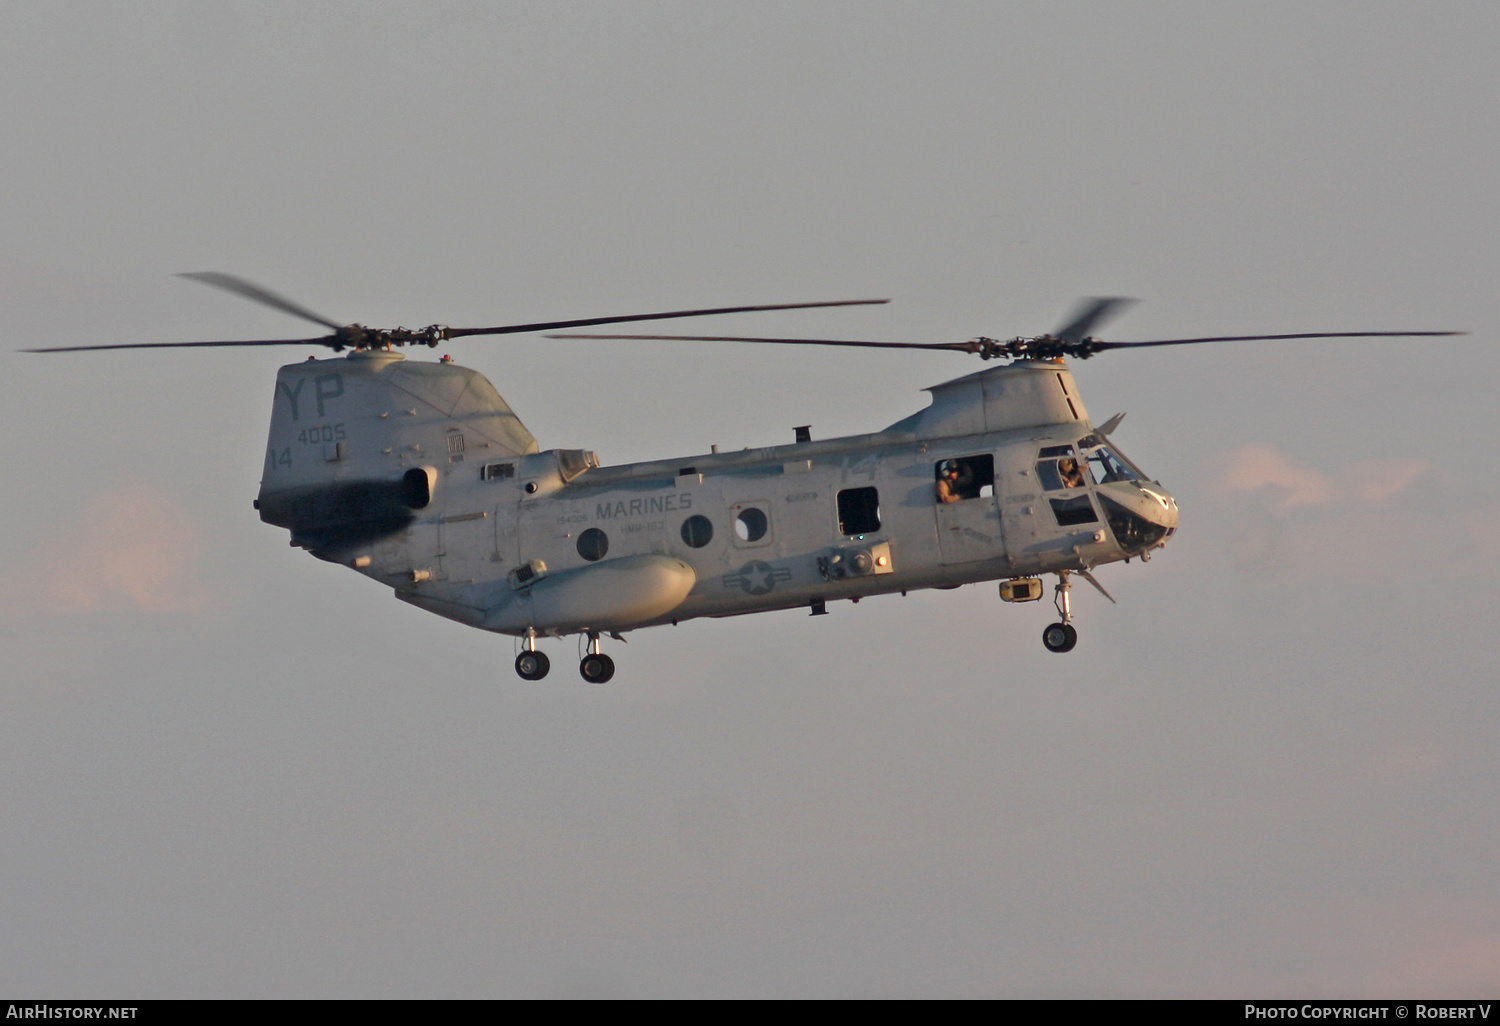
<point x="1094" y="346"/>
<point x="962" y="347"/>
<point x="511" y="329"/>
<point x="324" y="341"/>
<point x="1089" y="314"/>
<point x="250" y="290"/>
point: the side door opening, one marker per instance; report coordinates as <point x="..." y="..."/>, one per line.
<point x="967" y="509"/>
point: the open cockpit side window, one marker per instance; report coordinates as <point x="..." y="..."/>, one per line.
<point x="965" y="477"/>
<point x="1058" y="468"/>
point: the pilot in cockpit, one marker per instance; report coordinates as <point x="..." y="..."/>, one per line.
<point x="1071" y="473"/>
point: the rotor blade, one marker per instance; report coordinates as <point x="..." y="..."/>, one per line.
<point x="250" y="290"/>
<point x="962" y="347"/>
<point x="511" y="329"/>
<point x="1090" y="578"/>
<point x="1089" y="314"/>
<point x="326" y="340"/>
<point x="1272" y="338"/>
<point x="1108" y="427"/>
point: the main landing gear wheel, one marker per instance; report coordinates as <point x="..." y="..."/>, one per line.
<point x="597" y="668"/>
<point x="532" y="665"/>
<point x="1060" y="637"/>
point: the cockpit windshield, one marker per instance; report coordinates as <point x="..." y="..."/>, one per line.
<point x="1105" y="464"/>
<point x="1107" y="467"/>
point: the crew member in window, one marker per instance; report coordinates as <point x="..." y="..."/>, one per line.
<point x="951" y="481"/>
<point x="1071" y="472"/>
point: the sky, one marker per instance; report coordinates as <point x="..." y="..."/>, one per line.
<point x="229" y="770"/>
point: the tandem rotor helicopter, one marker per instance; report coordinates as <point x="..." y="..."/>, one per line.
<point x="419" y="476"/>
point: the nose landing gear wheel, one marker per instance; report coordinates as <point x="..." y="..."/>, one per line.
<point x="1060" y="637"/>
<point x="597" y="668"/>
<point x="532" y="665"/>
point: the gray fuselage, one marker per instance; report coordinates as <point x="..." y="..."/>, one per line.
<point x="419" y="476"/>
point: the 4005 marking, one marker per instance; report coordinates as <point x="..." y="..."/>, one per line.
<point x="318" y="435"/>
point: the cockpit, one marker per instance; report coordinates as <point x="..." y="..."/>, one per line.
<point x="1139" y="512"/>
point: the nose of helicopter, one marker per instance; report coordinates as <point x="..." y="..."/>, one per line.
<point x="1166" y="515"/>
<point x="1142" y="515"/>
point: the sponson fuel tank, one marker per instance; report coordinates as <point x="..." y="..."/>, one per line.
<point x="612" y="595"/>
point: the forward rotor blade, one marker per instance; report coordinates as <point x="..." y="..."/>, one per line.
<point x="324" y="341"/>
<point x="511" y="329"/>
<point x="1271" y="338"/>
<point x="250" y="290"/>
<point x="1089" y="314"/>
<point x="1090" y="578"/>
<point x="962" y="347"/>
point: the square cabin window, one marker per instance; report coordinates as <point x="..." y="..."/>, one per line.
<point x="859" y="511"/>
<point x="965" y="477"/>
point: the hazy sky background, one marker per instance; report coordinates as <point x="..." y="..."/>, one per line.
<point x="227" y="769"/>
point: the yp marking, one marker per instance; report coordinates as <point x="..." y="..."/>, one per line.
<point x="325" y="387"/>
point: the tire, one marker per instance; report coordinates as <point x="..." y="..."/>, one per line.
<point x="1059" y="637"/>
<point x="597" y="669"/>
<point x="532" y="665"/>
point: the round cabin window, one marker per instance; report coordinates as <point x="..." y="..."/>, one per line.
<point x="697" y="531"/>
<point x="593" y="544"/>
<point x="751" y="524"/>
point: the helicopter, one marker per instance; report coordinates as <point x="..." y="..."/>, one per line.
<point x="421" y="477"/>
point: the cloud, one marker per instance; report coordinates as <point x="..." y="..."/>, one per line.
<point x="130" y="548"/>
<point x="1461" y="966"/>
<point x="1254" y="468"/>
<point x="1280" y="515"/>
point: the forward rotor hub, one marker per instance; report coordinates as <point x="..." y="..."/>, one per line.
<point x="1037" y="347"/>
<point x="357" y="336"/>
